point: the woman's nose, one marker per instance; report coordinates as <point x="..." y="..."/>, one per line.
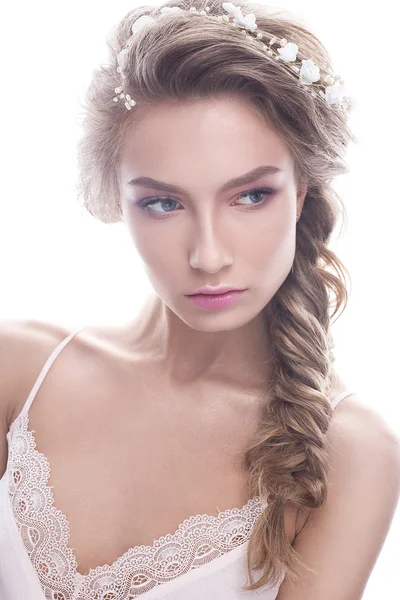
<point x="210" y="252"/>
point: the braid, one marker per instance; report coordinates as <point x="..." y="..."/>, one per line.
<point x="287" y="460"/>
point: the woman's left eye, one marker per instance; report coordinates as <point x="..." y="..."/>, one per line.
<point x="261" y="191"/>
<point x="258" y="193"/>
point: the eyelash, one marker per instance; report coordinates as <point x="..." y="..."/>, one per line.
<point x="265" y="191"/>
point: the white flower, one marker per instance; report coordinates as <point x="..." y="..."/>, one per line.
<point x="142" y="22"/>
<point x="329" y="80"/>
<point x="232" y="9"/>
<point x="121" y="58"/>
<point x="171" y="10"/>
<point x="288" y="52"/>
<point x="334" y="93"/>
<point x="247" y="21"/>
<point x="309" y="72"/>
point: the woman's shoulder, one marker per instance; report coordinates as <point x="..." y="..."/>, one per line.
<point x="341" y="387"/>
<point x="354" y="419"/>
<point x="25" y="346"/>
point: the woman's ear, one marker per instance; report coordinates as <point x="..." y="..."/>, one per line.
<point x="301" y="195"/>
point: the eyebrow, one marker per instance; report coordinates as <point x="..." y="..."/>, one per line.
<point x="253" y="175"/>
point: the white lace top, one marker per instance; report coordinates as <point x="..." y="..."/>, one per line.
<point x="204" y="559"/>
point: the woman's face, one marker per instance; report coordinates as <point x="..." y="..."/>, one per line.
<point x="201" y="227"/>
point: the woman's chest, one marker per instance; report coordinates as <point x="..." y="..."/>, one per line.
<point x="128" y="469"/>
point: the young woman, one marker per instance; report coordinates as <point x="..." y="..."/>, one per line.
<point x="207" y="449"/>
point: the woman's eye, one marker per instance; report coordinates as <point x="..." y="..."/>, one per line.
<point x="256" y="199"/>
<point x="261" y="192"/>
<point x="164" y="201"/>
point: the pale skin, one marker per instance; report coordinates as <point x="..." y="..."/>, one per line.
<point x="163" y="405"/>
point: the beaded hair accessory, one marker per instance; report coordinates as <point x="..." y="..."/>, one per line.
<point x="329" y="87"/>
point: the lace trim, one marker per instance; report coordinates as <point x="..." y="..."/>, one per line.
<point x="45" y="533"/>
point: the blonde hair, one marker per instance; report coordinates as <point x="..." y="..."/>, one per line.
<point x="184" y="59"/>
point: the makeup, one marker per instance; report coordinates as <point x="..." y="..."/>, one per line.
<point x="216" y="301"/>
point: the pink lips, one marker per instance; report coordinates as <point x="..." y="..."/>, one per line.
<point x="214" y="301"/>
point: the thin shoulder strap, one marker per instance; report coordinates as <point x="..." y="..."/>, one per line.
<point x="46" y="367"/>
<point x="340" y="397"/>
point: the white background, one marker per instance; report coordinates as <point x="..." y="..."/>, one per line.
<point x="58" y="264"/>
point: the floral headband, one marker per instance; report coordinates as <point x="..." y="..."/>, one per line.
<point x="330" y="87"/>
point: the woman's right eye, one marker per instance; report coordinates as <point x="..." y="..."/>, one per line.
<point x="164" y="201"/>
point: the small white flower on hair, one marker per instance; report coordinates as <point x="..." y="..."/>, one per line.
<point x="232" y="9"/>
<point x="121" y="58"/>
<point x="171" y="10"/>
<point x="142" y="22"/>
<point x="309" y="72"/>
<point x="247" y="21"/>
<point x="289" y="52"/>
<point x="329" y="80"/>
<point x="334" y="94"/>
